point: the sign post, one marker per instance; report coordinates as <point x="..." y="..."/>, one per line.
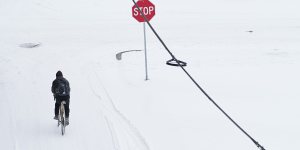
<point x="145" y="47"/>
<point x="147" y="9"/>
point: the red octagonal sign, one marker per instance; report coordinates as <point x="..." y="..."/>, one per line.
<point x="146" y="7"/>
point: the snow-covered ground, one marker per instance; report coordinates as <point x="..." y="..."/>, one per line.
<point x="253" y="76"/>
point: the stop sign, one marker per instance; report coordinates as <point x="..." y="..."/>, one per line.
<point x="146" y="7"/>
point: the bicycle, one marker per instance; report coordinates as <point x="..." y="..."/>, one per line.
<point x="62" y="118"/>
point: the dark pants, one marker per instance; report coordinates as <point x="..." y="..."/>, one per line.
<point x="59" y="99"/>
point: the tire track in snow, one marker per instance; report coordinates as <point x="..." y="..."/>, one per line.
<point x="7" y="107"/>
<point x="125" y="136"/>
<point x="12" y="123"/>
<point x="113" y="134"/>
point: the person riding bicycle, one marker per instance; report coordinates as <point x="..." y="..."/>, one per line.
<point x="61" y="92"/>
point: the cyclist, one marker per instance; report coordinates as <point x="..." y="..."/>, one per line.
<point x="61" y="92"/>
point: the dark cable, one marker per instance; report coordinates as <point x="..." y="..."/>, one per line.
<point x="200" y="88"/>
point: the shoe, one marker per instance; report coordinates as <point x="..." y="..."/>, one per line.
<point x="55" y="117"/>
<point x="67" y="121"/>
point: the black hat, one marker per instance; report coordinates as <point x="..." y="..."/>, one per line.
<point x="59" y="74"/>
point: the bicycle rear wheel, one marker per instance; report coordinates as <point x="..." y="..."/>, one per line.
<point x="62" y="118"/>
<point x="63" y="126"/>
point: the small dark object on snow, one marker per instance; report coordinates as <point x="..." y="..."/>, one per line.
<point x="29" y="45"/>
<point x="172" y="62"/>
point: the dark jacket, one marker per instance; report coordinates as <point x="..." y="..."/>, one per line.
<point x="58" y="80"/>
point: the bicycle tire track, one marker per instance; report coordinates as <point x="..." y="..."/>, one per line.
<point x="113" y="134"/>
<point x="7" y="106"/>
<point x="125" y="134"/>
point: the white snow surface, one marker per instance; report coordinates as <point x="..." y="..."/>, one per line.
<point x="253" y="76"/>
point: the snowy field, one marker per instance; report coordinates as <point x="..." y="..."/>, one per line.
<point x="253" y="76"/>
